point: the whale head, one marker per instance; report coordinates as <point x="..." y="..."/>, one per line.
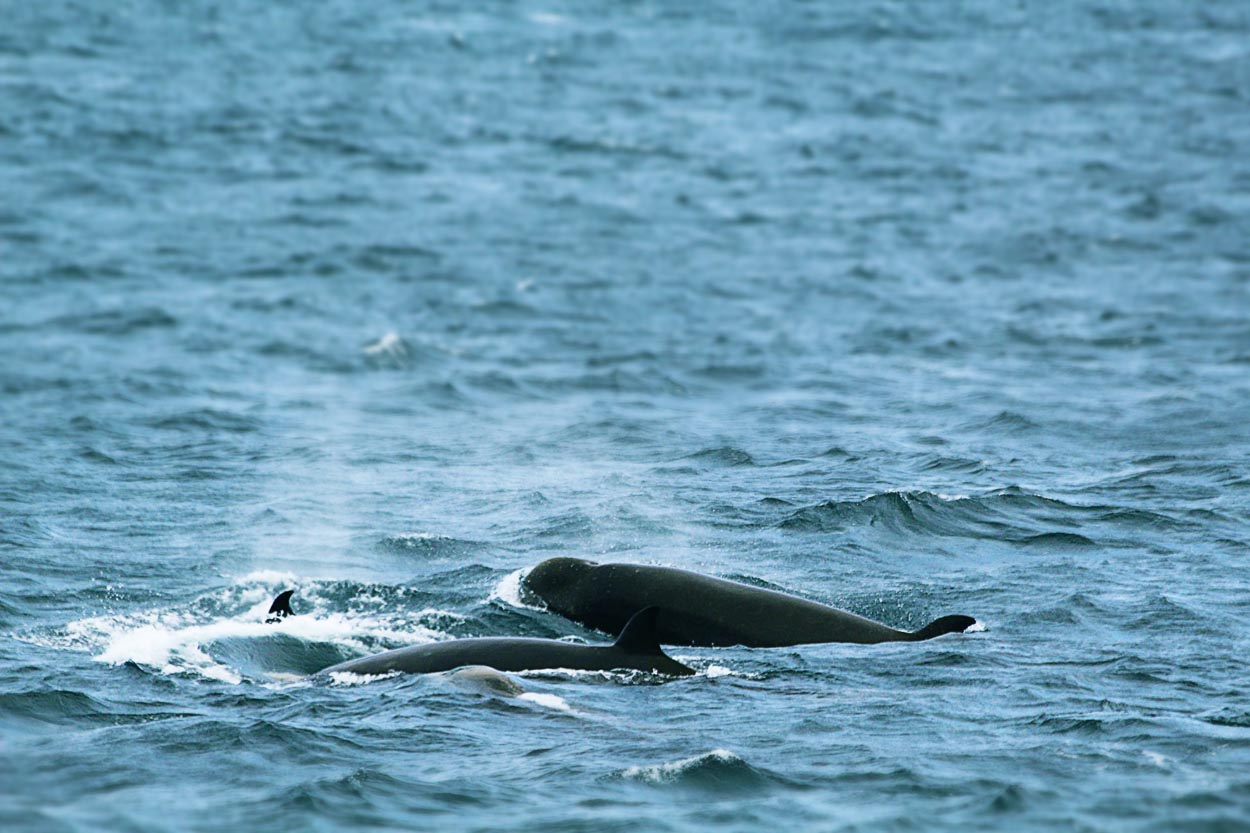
<point x="556" y="581"/>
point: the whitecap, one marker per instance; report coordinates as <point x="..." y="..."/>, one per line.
<point x="550" y="701"/>
<point x="267" y="577"/>
<point x="508" y="591"/>
<point x="413" y="538"/>
<point x="173" y="642"/>
<point x="165" y="642"/>
<point x="348" y="678"/>
<point x="572" y="672"/>
<point x="389" y="345"/>
<point x="660" y="773"/>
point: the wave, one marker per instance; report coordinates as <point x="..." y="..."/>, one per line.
<point x="207" y="419"/>
<point x="1005" y="422"/>
<point x="1229" y="717"/>
<point x="1073" y="609"/>
<point x="1061" y="540"/>
<point x="117" y="322"/>
<point x="613" y="380"/>
<point x="572" y="524"/>
<point x="388" y="351"/>
<point x="56" y="706"/>
<point x="724" y="456"/>
<point x="428" y="543"/>
<point x="1096" y="724"/>
<point x="280" y="347"/>
<point x="1010" y="515"/>
<point x="718" y="770"/>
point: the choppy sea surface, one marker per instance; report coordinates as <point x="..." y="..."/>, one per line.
<point x="909" y="308"/>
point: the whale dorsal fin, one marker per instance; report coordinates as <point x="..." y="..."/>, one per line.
<point x="639" y="635"/>
<point x="947" y="624"/>
<point x="281" y="607"/>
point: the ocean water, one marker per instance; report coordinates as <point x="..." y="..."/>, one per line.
<point x="910" y="308"/>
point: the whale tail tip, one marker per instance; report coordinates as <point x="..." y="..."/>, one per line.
<point x="944" y="625"/>
<point x="281" y="607"/>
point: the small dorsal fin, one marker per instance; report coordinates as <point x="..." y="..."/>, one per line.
<point x="281" y="607"/>
<point x="639" y="634"/>
<point x="947" y="624"/>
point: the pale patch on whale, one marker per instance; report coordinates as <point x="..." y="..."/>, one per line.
<point x="486" y="680"/>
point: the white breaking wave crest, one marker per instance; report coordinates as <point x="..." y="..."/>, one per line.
<point x="416" y="539"/>
<point x="348" y="678"/>
<point x="549" y="701"/>
<point x="508" y="591"/>
<point x="390" y="345"/>
<point x="660" y="773"/>
<point x="173" y="641"/>
<point x="266" y="578"/>
<point x="712" y="671"/>
<point x="582" y="673"/>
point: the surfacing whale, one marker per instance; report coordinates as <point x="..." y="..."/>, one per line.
<point x="281" y="607"/>
<point x="701" y="610"/>
<point x="637" y="649"/>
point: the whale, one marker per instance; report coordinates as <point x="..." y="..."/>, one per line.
<point x="636" y="649"/>
<point x="280" y="608"/>
<point x="704" y="611"/>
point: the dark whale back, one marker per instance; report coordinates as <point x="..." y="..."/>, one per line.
<point x="705" y="611"/>
<point x="636" y="649"/>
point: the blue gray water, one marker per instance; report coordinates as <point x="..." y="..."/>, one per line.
<point x="910" y="308"/>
